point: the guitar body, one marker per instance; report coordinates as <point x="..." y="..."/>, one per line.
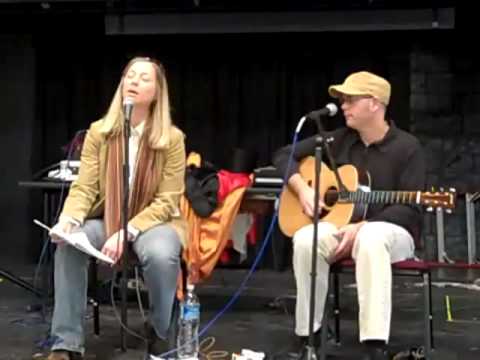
<point x="291" y="216"/>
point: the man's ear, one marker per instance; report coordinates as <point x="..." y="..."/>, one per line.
<point x="374" y="104"/>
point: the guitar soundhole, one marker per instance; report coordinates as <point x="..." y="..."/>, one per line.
<point x="310" y="183"/>
<point x="331" y="196"/>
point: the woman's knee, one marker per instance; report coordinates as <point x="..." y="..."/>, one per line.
<point x="161" y="247"/>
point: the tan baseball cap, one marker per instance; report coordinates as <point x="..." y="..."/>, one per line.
<point x="363" y="83"/>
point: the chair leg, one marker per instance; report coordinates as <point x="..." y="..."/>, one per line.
<point x="324" y="335"/>
<point x="96" y="316"/>
<point x="428" y="332"/>
<point x="431" y="310"/>
<point x="336" y="304"/>
<point x="324" y="331"/>
<point x="94" y="301"/>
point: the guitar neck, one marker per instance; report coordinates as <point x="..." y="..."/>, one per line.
<point x="382" y="197"/>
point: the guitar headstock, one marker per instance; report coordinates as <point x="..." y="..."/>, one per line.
<point x="439" y="199"/>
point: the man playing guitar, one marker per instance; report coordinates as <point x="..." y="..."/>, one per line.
<point x="395" y="161"/>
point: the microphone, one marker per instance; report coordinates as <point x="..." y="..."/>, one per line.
<point x="330" y="109"/>
<point x="127" y="108"/>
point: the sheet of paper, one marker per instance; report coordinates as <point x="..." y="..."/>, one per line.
<point x="79" y="240"/>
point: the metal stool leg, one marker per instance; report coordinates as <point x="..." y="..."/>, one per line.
<point x="428" y="334"/>
<point x="94" y="302"/>
<point x="336" y="310"/>
<point x="324" y="328"/>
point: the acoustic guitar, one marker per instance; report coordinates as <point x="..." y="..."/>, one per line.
<point x="344" y="207"/>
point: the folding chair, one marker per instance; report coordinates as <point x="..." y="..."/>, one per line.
<point x="415" y="268"/>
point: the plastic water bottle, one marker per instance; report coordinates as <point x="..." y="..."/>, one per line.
<point x="189" y="322"/>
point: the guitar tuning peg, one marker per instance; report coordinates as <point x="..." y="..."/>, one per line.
<point x="432" y="189"/>
<point x="452" y="190"/>
<point x="429" y="209"/>
<point x="448" y="211"/>
<point x="441" y="189"/>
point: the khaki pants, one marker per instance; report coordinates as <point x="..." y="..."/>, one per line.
<point x="377" y="245"/>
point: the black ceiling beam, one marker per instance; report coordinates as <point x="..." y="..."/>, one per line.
<point x="262" y="22"/>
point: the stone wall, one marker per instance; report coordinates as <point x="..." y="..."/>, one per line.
<point x="445" y="115"/>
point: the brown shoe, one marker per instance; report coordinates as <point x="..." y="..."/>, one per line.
<point x="59" y="355"/>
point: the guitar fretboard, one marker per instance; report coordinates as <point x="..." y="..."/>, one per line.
<point x="380" y="197"/>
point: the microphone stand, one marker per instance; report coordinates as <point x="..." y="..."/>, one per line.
<point x="124" y="218"/>
<point x="319" y="141"/>
<point x="320" y="144"/>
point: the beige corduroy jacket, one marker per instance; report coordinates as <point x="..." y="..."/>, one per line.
<point x="86" y="197"/>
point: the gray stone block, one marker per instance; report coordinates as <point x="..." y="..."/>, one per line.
<point x="425" y="60"/>
<point x="439" y="83"/>
<point x="439" y="103"/>
<point x="456" y="248"/>
<point x="436" y="125"/>
<point x="418" y="102"/>
<point x="418" y="83"/>
<point x="472" y="124"/>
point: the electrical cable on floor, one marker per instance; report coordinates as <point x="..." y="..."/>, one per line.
<point x="211" y="355"/>
<point x="410" y="354"/>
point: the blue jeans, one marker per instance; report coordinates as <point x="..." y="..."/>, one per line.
<point x="158" y="250"/>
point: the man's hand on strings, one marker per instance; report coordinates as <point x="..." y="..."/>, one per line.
<point x="307" y="199"/>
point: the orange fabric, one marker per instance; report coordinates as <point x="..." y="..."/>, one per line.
<point x="209" y="236"/>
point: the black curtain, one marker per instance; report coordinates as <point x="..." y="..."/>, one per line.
<point x="227" y="91"/>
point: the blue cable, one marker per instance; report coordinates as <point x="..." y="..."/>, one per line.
<point x="255" y="263"/>
<point x="260" y="254"/>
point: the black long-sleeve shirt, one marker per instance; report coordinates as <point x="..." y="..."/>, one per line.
<point x="396" y="162"/>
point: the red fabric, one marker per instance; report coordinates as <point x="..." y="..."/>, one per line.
<point x="252" y="232"/>
<point x="414" y="265"/>
<point x="230" y="181"/>
<point x="225" y="257"/>
<point x="457" y="265"/>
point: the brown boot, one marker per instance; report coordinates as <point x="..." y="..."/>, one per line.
<point x="59" y="355"/>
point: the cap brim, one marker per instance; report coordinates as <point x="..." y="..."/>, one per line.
<point x="337" y="90"/>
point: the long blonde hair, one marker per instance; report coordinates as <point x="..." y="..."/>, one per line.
<point x="159" y="122"/>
